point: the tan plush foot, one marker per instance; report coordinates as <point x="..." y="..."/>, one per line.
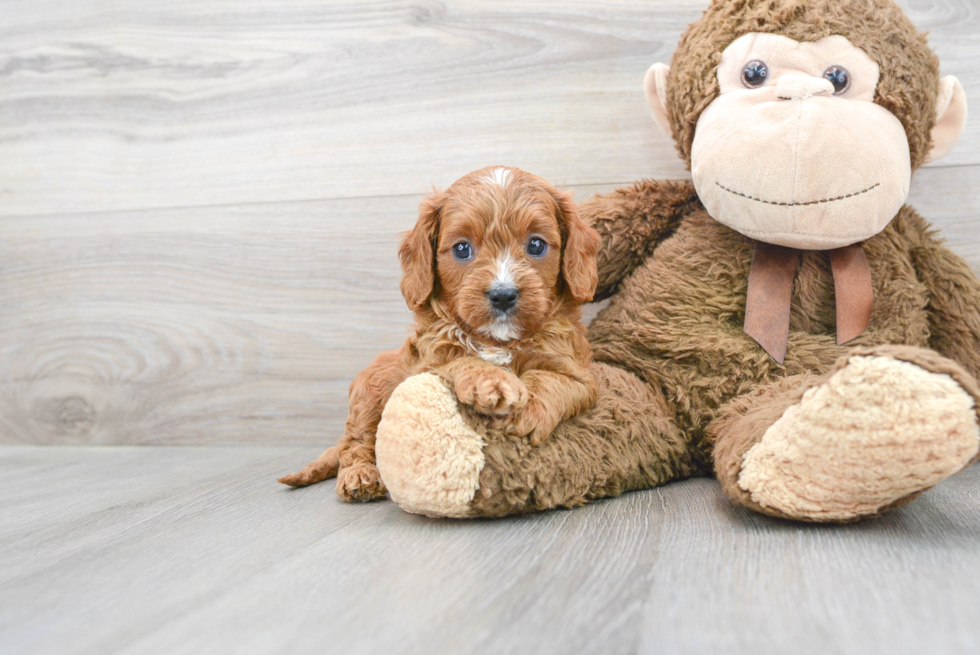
<point x="429" y="458"/>
<point x="878" y="431"/>
<point x="360" y="482"/>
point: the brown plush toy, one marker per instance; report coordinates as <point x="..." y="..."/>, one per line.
<point x="785" y="322"/>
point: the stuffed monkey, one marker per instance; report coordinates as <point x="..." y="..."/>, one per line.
<point x="784" y="322"/>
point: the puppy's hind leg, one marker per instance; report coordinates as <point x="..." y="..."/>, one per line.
<point x="352" y="459"/>
<point x="323" y="467"/>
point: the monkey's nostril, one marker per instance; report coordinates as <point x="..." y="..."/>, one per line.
<point x="503" y="298"/>
<point x="795" y="87"/>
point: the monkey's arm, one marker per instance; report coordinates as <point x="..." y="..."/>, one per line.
<point x="631" y="222"/>
<point x="954" y="302"/>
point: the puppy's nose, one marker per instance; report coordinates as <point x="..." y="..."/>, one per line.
<point x="503" y="298"/>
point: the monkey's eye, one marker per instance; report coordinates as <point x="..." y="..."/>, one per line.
<point x="839" y="78"/>
<point x="462" y="251"/>
<point x="536" y="247"/>
<point x="755" y="74"/>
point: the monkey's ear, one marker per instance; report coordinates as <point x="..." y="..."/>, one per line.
<point x="417" y="254"/>
<point x="950" y="117"/>
<point x="655" y="91"/>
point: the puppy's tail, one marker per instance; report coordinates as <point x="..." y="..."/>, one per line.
<point x="323" y="467"/>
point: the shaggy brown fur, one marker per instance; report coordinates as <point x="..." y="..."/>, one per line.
<point x="909" y="69"/>
<point x="675" y="370"/>
<point x="540" y="373"/>
<point x="682" y="389"/>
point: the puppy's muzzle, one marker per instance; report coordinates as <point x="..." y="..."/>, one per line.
<point x="503" y="299"/>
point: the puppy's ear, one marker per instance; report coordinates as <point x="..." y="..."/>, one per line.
<point x="417" y="254"/>
<point x="581" y="243"/>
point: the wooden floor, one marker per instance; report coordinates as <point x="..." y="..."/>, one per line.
<point x="199" y="550"/>
<point x="199" y="210"/>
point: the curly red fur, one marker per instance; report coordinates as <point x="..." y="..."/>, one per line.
<point x="528" y="368"/>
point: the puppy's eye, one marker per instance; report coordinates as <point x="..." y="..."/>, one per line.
<point x="462" y="251"/>
<point x="837" y="76"/>
<point x="755" y="74"/>
<point x="536" y="247"/>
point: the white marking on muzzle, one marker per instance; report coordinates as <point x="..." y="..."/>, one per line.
<point x="502" y="329"/>
<point x="504" y="275"/>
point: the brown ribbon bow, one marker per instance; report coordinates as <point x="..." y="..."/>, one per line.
<point x="767" y="304"/>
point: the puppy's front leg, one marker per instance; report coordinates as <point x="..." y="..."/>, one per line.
<point x="554" y="397"/>
<point x="489" y="389"/>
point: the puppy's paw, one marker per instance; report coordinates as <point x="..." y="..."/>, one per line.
<point x="495" y="392"/>
<point x="539" y="435"/>
<point x="533" y="423"/>
<point x="360" y="482"/>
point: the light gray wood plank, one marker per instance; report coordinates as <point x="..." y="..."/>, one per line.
<point x="198" y="550"/>
<point x="221" y="325"/>
<point x="949" y="198"/>
<point x="114" y="105"/>
<point x="233" y="324"/>
<point x="904" y="583"/>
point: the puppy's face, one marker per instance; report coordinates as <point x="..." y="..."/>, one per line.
<point x="508" y="250"/>
<point x="499" y="254"/>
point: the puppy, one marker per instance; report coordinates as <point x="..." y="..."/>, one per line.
<point x="495" y="270"/>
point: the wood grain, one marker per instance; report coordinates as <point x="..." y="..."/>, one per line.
<point x="200" y="202"/>
<point x="112" y="106"/>
<point x="199" y="210"/>
<point x="194" y="550"/>
<point x="234" y="324"/>
<point x="225" y="325"/>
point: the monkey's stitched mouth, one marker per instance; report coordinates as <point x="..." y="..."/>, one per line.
<point x="799" y="204"/>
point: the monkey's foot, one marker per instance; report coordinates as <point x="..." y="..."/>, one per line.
<point x="875" y="434"/>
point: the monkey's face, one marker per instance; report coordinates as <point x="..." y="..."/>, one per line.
<point x="794" y="151"/>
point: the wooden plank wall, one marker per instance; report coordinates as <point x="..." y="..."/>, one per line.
<point x="200" y="202"/>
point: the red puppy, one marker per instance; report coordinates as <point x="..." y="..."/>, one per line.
<point x="495" y="270"/>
